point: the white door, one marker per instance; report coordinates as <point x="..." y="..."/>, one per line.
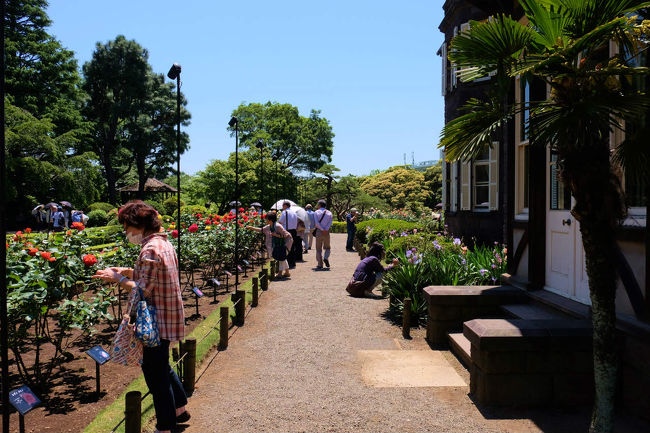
<point x="565" y="268"/>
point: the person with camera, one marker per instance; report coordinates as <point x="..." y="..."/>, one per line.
<point x="369" y="272"/>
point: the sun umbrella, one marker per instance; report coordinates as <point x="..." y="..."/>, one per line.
<point x="51" y="204"/>
<point x="278" y="204"/>
<point x="234" y="203"/>
<point x="301" y="212"/>
<point x="66" y="204"/>
<point x="256" y="204"/>
<point x="37" y="208"/>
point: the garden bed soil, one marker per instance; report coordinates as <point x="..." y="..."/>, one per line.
<point x="71" y="402"/>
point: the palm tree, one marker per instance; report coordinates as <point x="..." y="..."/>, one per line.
<point x="566" y="44"/>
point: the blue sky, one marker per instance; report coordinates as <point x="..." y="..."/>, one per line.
<point x="369" y="66"/>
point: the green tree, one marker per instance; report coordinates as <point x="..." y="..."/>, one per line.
<point x="566" y="45"/>
<point x="433" y="185"/>
<point x="41" y="76"/>
<point x="398" y="186"/>
<point x="152" y="133"/>
<point x="38" y="167"/>
<point x="115" y="81"/>
<point x="302" y="143"/>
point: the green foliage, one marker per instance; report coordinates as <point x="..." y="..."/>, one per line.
<point x="132" y="112"/>
<point x="156" y="205"/>
<point x="170" y="205"/>
<point x="302" y="143"/>
<point x="339" y="227"/>
<point x="379" y="230"/>
<point x="191" y="210"/>
<point x="398" y="186"/>
<point x="421" y="241"/>
<point x="97" y="218"/>
<point x="106" y="207"/>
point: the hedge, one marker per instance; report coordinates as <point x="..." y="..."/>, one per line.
<point x="378" y="230"/>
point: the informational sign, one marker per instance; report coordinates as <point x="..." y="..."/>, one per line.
<point x="227" y="273"/>
<point x="197" y="292"/>
<point x="239" y="268"/>
<point x="214" y="282"/>
<point x="98" y="354"/>
<point x="246" y="262"/>
<point x="23" y="399"/>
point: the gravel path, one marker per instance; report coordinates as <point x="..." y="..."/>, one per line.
<point x="294" y="367"/>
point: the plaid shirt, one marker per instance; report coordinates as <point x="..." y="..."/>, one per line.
<point x="157" y="272"/>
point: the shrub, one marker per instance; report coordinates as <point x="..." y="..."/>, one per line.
<point x="156" y="205"/>
<point x="339" y="227"/>
<point x="106" y="207"/>
<point x="97" y="218"/>
<point x="378" y="230"/>
<point x="169" y="205"/>
<point x="422" y="242"/>
<point x="191" y="210"/>
<point x="113" y="222"/>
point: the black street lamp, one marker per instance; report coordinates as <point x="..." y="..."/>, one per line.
<point x="175" y="74"/>
<point x="234" y="123"/>
<point x="4" y="333"/>
<point x="275" y="159"/>
<point x="260" y="146"/>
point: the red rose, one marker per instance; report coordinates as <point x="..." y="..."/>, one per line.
<point x="46" y="255"/>
<point x="77" y="225"/>
<point x="89" y="260"/>
<point x="28" y="230"/>
<point x="193" y="228"/>
<point x="175" y="234"/>
<point x="32" y="251"/>
<point x="241" y="209"/>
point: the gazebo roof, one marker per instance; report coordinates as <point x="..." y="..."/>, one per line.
<point x="151" y="185"/>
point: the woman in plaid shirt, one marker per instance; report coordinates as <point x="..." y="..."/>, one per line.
<point x="156" y="272"/>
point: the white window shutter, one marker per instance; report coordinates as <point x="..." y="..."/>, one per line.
<point x="453" y="187"/>
<point x="454" y="77"/>
<point x="465" y="199"/>
<point x="494" y="176"/>
<point x="444" y="69"/>
<point x="444" y="181"/>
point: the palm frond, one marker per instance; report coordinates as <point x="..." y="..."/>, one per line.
<point x="587" y="15"/>
<point x="466" y="136"/>
<point x="548" y="23"/>
<point x="633" y="153"/>
<point x="486" y="45"/>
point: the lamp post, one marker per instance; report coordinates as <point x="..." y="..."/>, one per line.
<point x="175" y="74"/>
<point x="260" y="146"/>
<point x="234" y="123"/>
<point x="275" y="159"/>
<point x="4" y="333"/>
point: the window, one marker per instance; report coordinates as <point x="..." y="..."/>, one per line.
<point x="481" y="181"/>
<point x="454" y="69"/>
<point x="453" y="187"/>
<point x="522" y="157"/>
<point x="560" y="196"/>
<point x="443" y="51"/>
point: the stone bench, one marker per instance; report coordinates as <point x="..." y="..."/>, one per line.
<point x="450" y="306"/>
<point x="530" y="362"/>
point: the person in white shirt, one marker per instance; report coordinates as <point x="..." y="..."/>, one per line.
<point x="289" y="220"/>
<point x="323" y="222"/>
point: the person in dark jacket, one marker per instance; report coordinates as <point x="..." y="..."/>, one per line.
<point x="369" y="272"/>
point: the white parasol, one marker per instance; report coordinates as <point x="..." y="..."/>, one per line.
<point x="278" y="204"/>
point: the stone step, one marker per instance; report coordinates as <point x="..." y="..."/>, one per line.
<point x="461" y="347"/>
<point x="533" y="312"/>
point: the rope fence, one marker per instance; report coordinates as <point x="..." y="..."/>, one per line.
<point x="133" y="401"/>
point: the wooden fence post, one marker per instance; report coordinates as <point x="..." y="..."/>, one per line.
<point x="223" y="328"/>
<point x="265" y="280"/>
<point x="272" y="270"/>
<point x="255" y="292"/>
<point x="406" y="318"/>
<point x="133" y="412"/>
<point x="240" y="308"/>
<point x="189" y="366"/>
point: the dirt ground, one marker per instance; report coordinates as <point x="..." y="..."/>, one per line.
<point x="296" y="367"/>
<point x="72" y="401"/>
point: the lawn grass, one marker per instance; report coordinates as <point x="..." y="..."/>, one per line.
<point x="110" y="416"/>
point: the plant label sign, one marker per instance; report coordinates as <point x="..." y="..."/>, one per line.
<point x="246" y="262"/>
<point x="228" y="273"/>
<point x="98" y="354"/>
<point x="23" y="399"/>
<point x="239" y="268"/>
<point x="197" y="292"/>
<point x="215" y="282"/>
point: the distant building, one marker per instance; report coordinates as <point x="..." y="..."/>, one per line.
<point x="422" y="166"/>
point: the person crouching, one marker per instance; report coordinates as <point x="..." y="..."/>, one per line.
<point x="369" y="272"/>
